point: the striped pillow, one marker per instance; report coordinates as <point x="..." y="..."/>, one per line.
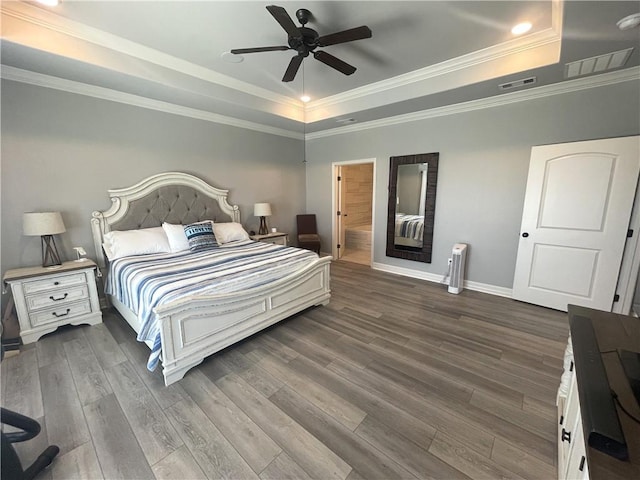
<point x="200" y="236"/>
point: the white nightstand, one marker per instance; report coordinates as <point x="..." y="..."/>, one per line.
<point x="47" y="298"/>
<point x="276" y="237"/>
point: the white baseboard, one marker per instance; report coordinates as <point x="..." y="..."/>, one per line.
<point x="433" y="277"/>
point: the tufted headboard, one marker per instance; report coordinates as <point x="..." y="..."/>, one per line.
<point x="171" y="197"/>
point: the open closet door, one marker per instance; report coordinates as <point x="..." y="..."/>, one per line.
<point x="574" y="226"/>
<point x="340" y="213"/>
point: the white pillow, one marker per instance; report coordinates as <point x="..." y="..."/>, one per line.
<point x="145" y="241"/>
<point x="177" y="239"/>
<point x="229" y="232"/>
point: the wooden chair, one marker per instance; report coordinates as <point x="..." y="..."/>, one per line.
<point x="308" y="237"/>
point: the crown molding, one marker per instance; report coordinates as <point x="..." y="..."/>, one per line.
<point x="610" y="78"/>
<point x="47" y="81"/>
<point x="465" y="69"/>
<point x="514" y="47"/>
<point x="56" y="23"/>
<point x="70" y="86"/>
<point x="538" y="42"/>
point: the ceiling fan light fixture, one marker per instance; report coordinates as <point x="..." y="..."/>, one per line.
<point x="521" y="28"/>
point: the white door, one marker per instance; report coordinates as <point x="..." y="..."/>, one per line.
<point x="576" y="214"/>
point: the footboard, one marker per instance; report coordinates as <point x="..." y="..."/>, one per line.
<point x="194" y="328"/>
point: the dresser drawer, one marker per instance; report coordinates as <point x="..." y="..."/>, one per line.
<point x="60" y="314"/>
<point x="54" y="282"/>
<point x="57" y="297"/>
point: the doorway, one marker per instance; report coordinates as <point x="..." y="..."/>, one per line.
<point x="575" y="223"/>
<point x="353" y="206"/>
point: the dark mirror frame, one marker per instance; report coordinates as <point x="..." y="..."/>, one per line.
<point x="411" y="253"/>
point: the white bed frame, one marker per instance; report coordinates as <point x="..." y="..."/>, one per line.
<point x="196" y="327"/>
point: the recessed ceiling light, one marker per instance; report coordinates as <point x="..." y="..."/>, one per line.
<point x="521" y="28"/>
<point x="628" y="22"/>
<point x="232" y="57"/>
<point x="49" y="3"/>
<point x="305" y="98"/>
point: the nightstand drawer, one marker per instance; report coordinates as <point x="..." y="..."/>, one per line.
<point x="63" y="312"/>
<point x="56" y="282"/>
<point x="57" y="297"/>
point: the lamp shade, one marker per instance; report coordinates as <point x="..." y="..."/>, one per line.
<point x="262" y="209"/>
<point x="42" y="223"/>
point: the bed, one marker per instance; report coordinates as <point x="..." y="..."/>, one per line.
<point x="192" y="326"/>
<point x="409" y="230"/>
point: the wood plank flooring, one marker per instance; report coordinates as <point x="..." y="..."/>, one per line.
<point x="395" y="378"/>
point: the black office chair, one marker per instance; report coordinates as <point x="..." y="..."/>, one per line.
<point x="11" y="467"/>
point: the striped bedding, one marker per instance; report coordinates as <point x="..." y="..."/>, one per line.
<point x="146" y="281"/>
<point x="409" y="226"/>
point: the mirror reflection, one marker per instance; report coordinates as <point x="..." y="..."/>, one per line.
<point x="412" y="194"/>
<point x="410" y="205"/>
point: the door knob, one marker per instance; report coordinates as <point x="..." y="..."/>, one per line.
<point x="525" y="234"/>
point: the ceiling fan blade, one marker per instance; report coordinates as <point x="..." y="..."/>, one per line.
<point x="283" y="18"/>
<point x="238" y="51"/>
<point x="350" y="35"/>
<point x="334" y="62"/>
<point x="292" y="69"/>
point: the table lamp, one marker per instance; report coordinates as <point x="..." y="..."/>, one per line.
<point x="45" y="225"/>
<point x="262" y="210"/>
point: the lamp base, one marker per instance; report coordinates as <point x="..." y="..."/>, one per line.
<point x="263" y="226"/>
<point x="50" y="256"/>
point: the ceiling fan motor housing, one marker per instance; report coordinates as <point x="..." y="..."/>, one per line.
<point x="307" y="43"/>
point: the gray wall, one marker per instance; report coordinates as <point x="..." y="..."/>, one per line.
<point x="62" y="151"/>
<point x="482" y="171"/>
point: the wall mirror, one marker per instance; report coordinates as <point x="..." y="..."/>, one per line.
<point x="412" y="204"/>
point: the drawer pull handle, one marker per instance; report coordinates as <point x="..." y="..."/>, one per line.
<point x="56" y="283"/>
<point x="58" y="315"/>
<point x="566" y="436"/>
<point x="60" y="298"/>
<point x="581" y="467"/>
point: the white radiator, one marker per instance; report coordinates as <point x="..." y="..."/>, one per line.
<point x="456" y="270"/>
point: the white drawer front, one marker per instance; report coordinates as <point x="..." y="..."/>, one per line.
<point x="60" y="314"/>
<point x="57" y="297"/>
<point x="54" y="282"/>
<point x="568" y="426"/>
<point x="577" y="468"/>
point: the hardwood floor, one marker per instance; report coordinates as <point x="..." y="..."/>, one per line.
<point x="361" y="256"/>
<point x="395" y="378"/>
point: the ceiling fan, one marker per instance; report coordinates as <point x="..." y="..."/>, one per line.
<point x="305" y="40"/>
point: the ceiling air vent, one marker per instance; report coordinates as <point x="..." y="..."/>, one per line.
<point x="601" y="63"/>
<point x="517" y="83"/>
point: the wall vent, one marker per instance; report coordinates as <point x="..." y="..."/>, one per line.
<point x="598" y="64"/>
<point x="517" y="83"/>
